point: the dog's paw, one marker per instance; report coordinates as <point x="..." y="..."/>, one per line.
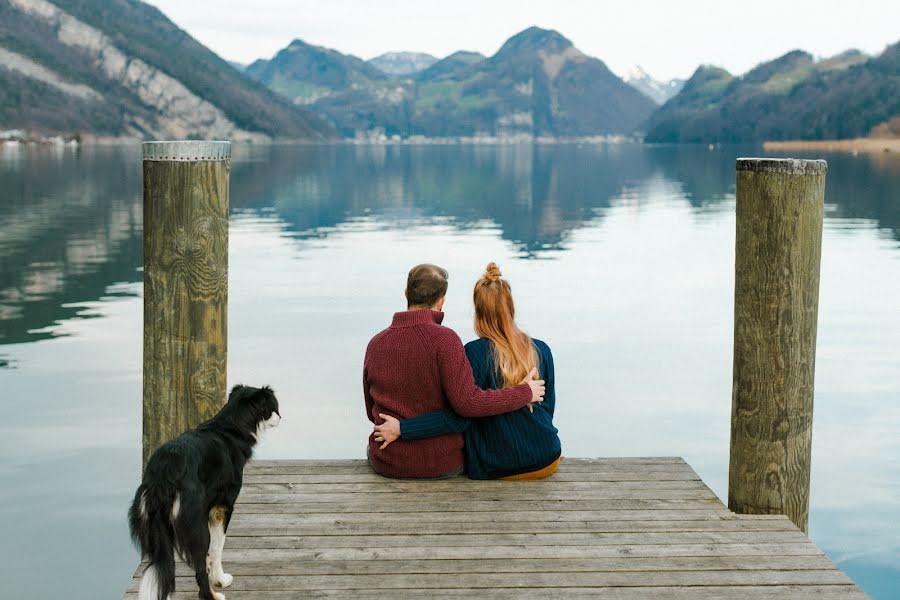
<point x="223" y="580"/>
<point x="218" y="595"/>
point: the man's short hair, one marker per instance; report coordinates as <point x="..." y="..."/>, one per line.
<point x="425" y="285"/>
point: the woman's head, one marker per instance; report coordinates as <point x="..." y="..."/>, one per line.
<point x="495" y="315"/>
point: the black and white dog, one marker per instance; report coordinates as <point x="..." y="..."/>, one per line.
<point x="190" y="484"/>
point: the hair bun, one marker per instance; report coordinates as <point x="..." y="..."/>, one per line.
<point x="492" y="272"/>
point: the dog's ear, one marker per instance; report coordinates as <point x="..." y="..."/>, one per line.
<point x="235" y="389"/>
<point x="263" y="394"/>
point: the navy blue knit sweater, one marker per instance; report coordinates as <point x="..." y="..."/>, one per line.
<point x="504" y="445"/>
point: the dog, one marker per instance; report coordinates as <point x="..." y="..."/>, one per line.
<point x="188" y="491"/>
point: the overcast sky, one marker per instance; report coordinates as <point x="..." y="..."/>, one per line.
<point x="667" y="38"/>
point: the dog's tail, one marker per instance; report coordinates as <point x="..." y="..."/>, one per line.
<point x="151" y="520"/>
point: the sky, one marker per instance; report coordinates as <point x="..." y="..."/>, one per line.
<point x="667" y="38"/>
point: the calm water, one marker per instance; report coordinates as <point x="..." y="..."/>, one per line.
<point x="621" y="258"/>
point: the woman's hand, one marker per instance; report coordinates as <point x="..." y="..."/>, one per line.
<point x="388" y="431"/>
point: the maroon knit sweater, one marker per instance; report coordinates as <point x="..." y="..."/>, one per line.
<point x="416" y="366"/>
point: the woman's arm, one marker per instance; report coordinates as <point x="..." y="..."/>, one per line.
<point x="439" y="422"/>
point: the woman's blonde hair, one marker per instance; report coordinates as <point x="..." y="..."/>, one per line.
<point x="495" y="313"/>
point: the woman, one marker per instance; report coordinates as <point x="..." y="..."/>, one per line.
<point x="519" y="445"/>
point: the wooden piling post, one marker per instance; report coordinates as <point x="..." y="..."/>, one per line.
<point x="776" y="296"/>
<point x="185" y="286"/>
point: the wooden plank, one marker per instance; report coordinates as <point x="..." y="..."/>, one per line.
<point x="438" y="581"/>
<point x="520" y="494"/>
<point x="567" y="466"/>
<point x="287" y="564"/>
<point x="284" y="503"/>
<point x="465" y="486"/>
<point x="522" y="552"/>
<point x="516" y="513"/>
<point x="507" y="539"/>
<point x="281" y="476"/>
<point x="331" y="463"/>
<point x="766" y="592"/>
<point x="266" y="525"/>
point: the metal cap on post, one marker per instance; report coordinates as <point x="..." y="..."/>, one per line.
<point x="185" y="285"/>
<point x="778" y="246"/>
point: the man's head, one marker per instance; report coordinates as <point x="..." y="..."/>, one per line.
<point x="426" y="287"/>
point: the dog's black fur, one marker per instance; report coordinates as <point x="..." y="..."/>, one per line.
<point x="203" y="469"/>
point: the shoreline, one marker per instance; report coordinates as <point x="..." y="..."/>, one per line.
<point x="852" y="145"/>
<point x="14" y="138"/>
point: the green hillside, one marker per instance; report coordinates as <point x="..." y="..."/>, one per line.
<point x="791" y="97"/>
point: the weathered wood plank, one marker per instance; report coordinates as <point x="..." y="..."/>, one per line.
<point x="467" y="487"/>
<point x="507" y="539"/>
<point x="567" y="465"/>
<point x="519" y="493"/>
<point x="515" y="514"/>
<point x="766" y="592"/>
<point x="279" y="525"/>
<point x="523" y="552"/>
<point x="604" y="579"/>
<point x="331" y="463"/>
<point x="283" y="503"/>
<point x="279" y="476"/>
<point x="287" y="564"/>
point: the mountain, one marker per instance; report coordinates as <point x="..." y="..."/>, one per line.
<point x="658" y="91"/>
<point x="537" y="84"/>
<point x="402" y="64"/>
<point x="241" y="67"/>
<point x="120" y="68"/>
<point x="451" y="67"/>
<point x="304" y="73"/>
<point x="792" y="97"/>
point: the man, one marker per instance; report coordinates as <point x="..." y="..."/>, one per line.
<point x="416" y="366"/>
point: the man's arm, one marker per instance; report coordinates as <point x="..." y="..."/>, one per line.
<point x="370" y="403"/>
<point x="467" y="399"/>
<point x="550" y="376"/>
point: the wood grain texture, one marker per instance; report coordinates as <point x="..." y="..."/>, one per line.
<point x="185" y="296"/>
<point x="762" y="592"/>
<point x="338" y="532"/>
<point x="777" y="257"/>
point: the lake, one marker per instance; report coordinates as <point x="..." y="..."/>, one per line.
<point x="621" y="257"/>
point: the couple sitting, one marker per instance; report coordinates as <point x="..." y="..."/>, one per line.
<point x="496" y="394"/>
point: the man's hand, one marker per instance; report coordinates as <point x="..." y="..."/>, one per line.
<point x="389" y="431"/>
<point x="537" y="388"/>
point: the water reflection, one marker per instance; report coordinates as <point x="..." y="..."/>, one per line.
<point x="70" y="226"/>
<point x="70" y="221"/>
<point x="651" y="226"/>
<point x="535" y="196"/>
<point x="865" y="187"/>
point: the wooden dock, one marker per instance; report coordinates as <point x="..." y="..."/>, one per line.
<point x="618" y="528"/>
